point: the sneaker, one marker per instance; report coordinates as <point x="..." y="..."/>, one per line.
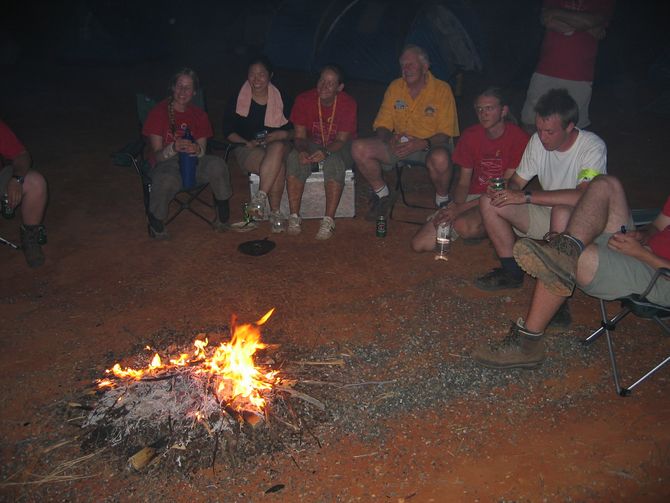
<point x="258" y="205"/>
<point x="326" y="229"/>
<point x="380" y="206"/>
<point x="519" y="349"/>
<point x="498" y="279"/>
<point x="157" y="228"/>
<point x="30" y="244"/>
<point x="294" y="222"/>
<point x="562" y="319"/>
<point x="277" y="222"/>
<point x="554" y="263"/>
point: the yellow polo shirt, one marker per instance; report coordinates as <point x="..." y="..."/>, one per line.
<point x="433" y="111"/>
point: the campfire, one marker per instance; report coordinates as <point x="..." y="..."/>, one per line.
<point x="210" y="392"/>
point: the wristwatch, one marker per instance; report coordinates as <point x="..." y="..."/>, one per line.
<point x="19" y="178"/>
<point x="527" y="194"/>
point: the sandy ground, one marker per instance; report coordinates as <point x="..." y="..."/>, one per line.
<point x="559" y="434"/>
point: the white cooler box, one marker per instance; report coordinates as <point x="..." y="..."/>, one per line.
<point x="314" y="198"/>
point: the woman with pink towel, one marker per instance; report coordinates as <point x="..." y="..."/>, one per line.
<point x="257" y="118"/>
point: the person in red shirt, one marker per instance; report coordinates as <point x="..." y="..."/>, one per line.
<point x="568" y="55"/>
<point x="596" y="253"/>
<point x="325" y="123"/>
<point x="165" y="127"/>
<point x="492" y="148"/>
<point x="22" y="186"/>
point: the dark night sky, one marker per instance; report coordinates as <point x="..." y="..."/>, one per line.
<point x="136" y="30"/>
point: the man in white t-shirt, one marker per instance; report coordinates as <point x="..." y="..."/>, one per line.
<point x="564" y="159"/>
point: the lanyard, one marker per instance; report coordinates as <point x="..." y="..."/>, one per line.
<point x="331" y="120"/>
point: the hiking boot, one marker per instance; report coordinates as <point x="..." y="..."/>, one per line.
<point x="326" y="229"/>
<point x="562" y="319"/>
<point x="258" y="205"/>
<point x="30" y="244"/>
<point x="498" y="279"/>
<point x="294" y="222"/>
<point x="554" y="263"/>
<point x="157" y="228"/>
<point x="519" y="349"/>
<point x="380" y="206"/>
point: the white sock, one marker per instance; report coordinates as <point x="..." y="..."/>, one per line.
<point x="383" y="192"/>
<point x="440" y="200"/>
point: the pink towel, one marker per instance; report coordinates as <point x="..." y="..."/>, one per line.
<point x="274" y="112"/>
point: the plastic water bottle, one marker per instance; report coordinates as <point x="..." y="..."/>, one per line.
<point x="443" y="241"/>
<point x="187" y="164"/>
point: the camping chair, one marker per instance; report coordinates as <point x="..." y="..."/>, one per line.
<point x="132" y="154"/>
<point x="9" y="243"/>
<point x="641" y="307"/>
<point x="400" y="167"/>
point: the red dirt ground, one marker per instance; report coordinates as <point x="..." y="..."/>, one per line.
<point x="106" y="287"/>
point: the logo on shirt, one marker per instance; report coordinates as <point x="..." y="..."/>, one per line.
<point x="400" y="105"/>
<point x="429" y="111"/>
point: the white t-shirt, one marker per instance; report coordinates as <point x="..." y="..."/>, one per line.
<point x="564" y="170"/>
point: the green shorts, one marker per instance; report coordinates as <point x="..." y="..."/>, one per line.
<point x="334" y="166"/>
<point x="619" y="275"/>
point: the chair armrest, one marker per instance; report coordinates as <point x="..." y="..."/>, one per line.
<point x="661" y="271"/>
<point x="129" y="154"/>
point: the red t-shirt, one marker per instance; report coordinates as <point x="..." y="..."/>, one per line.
<point x="489" y="158"/>
<point x="193" y="118"/>
<point x="660" y="242"/>
<point x="10" y="146"/>
<point x="305" y="112"/>
<point x="573" y="56"/>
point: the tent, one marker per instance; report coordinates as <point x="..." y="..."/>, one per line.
<point x="365" y="37"/>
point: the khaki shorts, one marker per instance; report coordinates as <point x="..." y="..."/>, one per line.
<point x="539" y="221"/>
<point x="540" y="84"/>
<point x="418" y="157"/>
<point x="619" y="275"/>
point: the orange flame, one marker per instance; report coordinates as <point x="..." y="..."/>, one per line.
<point x="237" y="380"/>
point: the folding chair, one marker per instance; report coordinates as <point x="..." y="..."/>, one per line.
<point x="400" y="167"/>
<point x="641" y="307"/>
<point x="132" y="154"/>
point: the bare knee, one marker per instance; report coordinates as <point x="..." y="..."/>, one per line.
<point x="438" y="161"/>
<point x="587" y="265"/>
<point x="360" y="150"/>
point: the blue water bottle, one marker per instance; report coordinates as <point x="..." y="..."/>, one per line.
<point x="187" y="164"/>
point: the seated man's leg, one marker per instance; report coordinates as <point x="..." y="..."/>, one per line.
<point x="33" y="204"/>
<point x="214" y="170"/>
<point x="439" y="165"/>
<point x="499" y="222"/>
<point x="602" y="209"/>
<point x="370" y="155"/>
<point x="524" y="347"/>
<point x="165" y="183"/>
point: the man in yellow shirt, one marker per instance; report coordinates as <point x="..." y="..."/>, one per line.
<point x="416" y="122"/>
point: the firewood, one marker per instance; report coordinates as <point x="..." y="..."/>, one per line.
<point x="141" y="458"/>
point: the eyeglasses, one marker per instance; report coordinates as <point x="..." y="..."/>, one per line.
<point x="184" y="88"/>
<point x="487" y="108"/>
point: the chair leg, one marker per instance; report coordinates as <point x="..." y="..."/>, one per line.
<point x="185" y="204"/>
<point x="608" y="324"/>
